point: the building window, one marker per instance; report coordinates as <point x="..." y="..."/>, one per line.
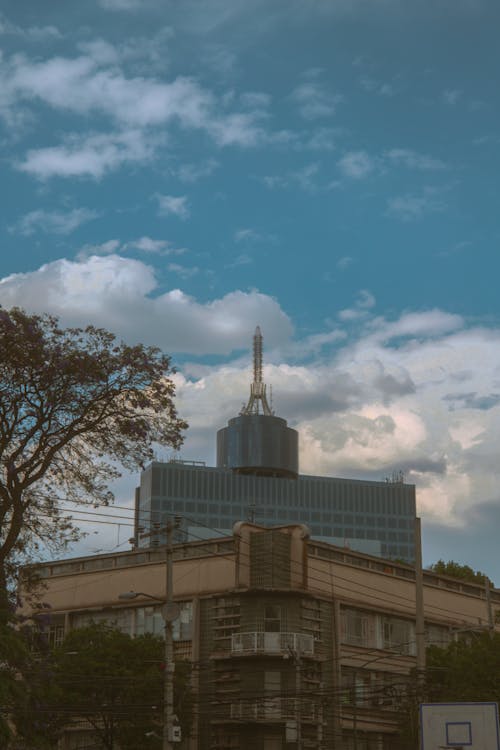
<point x="149" y="620"/>
<point x="358" y="627"/>
<point x="272" y="618"/>
<point x="438" y="635"/>
<point x="398" y="635"/>
<point x="119" y="619"/>
<point x="182" y="628"/>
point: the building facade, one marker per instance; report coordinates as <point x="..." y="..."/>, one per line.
<point x="373" y="517"/>
<point x="296" y="643"/>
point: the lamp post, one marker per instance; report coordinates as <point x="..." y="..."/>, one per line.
<point x="170" y="612"/>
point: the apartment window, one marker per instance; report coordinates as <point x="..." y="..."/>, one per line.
<point x="398" y="635"/>
<point x="357" y="627"/>
<point x="272" y="618"/>
<point x="149" y="620"/>
<point x="120" y="619"/>
<point x="182" y="628"/>
<point x="438" y="635"/>
<point x="55" y="635"/>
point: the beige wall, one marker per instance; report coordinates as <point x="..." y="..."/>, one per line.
<point x="208" y="574"/>
<point x="191" y="577"/>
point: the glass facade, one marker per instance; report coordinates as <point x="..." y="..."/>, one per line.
<point x="372" y="517"/>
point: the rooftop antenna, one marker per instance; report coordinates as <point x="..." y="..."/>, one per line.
<point x="258" y="396"/>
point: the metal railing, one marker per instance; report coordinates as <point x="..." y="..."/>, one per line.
<point x="259" y="642"/>
<point x="280" y="709"/>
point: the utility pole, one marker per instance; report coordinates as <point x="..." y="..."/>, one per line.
<point x="296" y="655"/>
<point x="170" y="613"/>
<point x="168" y="698"/>
<point x="419" y="610"/>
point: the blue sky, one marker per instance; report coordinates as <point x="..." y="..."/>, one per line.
<point x="181" y="172"/>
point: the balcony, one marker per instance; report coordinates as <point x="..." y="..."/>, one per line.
<point x="272" y="643"/>
<point x="273" y="709"/>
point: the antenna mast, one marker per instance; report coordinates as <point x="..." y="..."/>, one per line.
<point x="258" y="396"/>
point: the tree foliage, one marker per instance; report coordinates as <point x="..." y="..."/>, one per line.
<point x="468" y="670"/>
<point x="463" y="572"/>
<point x="110" y="681"/>
<point x="75" y="405"/>
<point x="14" y="656"/>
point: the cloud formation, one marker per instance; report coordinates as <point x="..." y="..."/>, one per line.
<point x="173" y="205"/>
<point x="122" y="294"/>
<point x="53" y="222"/>
<point x="418" y="393"/>
<point x="137" y="108"/>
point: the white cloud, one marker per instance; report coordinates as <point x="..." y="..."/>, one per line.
<point x="247" y="235"/>
<point x="185" y="272"/>
<point x="322" y="139"/>
<point x="94" y="84"/>
<point x="121" y="4"/>
<point x="173" y="205"/>
<point x="143" y="244"/>
<point x="240" y="260"/>
<point x="195" y="172"/>
<point x="451" y="96"/>
<point x="356" y="164"/>
<point x="364" y="302"/>
<point x="412" y="206"/>
<point x="314" y="101"/>
<point x="53" y="222"/>
<point x="360" y="164"/>
<point x="121" y="294"/>
<point x="104" y="248"/>
<point x="344" y="262"/>
<point x="89" y="156"/>
<point x="30" y="33"/>
<point x="149" y="245"/>
<point x="242" y="235"/>
<point x="305" y="178"/>
<point x="413" y="160"/>
<point x="377" y="87"/>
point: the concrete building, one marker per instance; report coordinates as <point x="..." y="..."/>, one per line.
<point x="257" y="478"/>
<point x="289" y="634"/>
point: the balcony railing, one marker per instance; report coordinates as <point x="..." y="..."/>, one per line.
<point x="279" y="709"/>
<point x="272" y="643"/>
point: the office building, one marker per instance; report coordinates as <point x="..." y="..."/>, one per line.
<point x="257" y="478"/>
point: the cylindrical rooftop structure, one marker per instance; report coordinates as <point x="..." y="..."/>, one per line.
<point x="259" y="444"/>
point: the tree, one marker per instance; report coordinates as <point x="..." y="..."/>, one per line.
<point x="109" y="680"/>
<point x="14" y="655"/>
<point x="467" y="670"/>
<point x="75" y="405"/>
<point x="463" y="572"/>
